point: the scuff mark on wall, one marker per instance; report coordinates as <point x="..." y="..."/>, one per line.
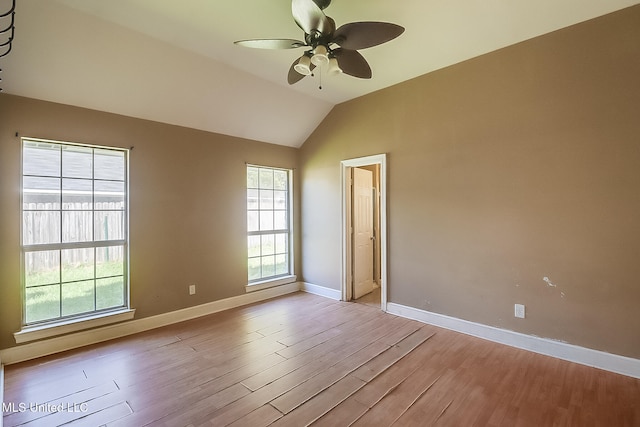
<point x="552" y="285"/>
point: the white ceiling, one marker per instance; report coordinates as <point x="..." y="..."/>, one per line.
<point x="175" y="61"/>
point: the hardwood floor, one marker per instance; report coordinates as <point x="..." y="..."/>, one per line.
<point x="304" y="359"/>
<point x="372" y="298"/>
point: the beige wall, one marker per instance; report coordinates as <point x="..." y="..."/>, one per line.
<point x="503" y="170"/>
<point x="187" y="203"/>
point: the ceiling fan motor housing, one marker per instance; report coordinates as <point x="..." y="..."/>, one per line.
<point x="316" y="37"/>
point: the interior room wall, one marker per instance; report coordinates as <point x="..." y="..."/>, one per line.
<point x="513" y="178"/>
<point x="187" y="203"/>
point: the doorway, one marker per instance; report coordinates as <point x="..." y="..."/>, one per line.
<point x="364" y="227"/>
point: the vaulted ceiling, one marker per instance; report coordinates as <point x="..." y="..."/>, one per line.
<point x="175" y="61"/>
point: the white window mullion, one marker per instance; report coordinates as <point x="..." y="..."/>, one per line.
<point x="73" y="245"/>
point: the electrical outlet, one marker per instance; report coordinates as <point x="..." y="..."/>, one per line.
<point x="519" y="311"/>
<point x="192" y="289"/>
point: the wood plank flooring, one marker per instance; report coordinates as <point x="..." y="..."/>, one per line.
<point x="305" y="360"/>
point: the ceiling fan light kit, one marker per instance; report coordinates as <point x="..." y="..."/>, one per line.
<point x="330" y="48"/>
<point x="320" y="56"/>
<point x="303" y="66"/>
<point x="334" y="68"/>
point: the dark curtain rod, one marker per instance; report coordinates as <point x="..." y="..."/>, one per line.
<point x="11" y="27"/>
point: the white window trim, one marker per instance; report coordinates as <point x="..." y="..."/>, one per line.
<point x="37" y="332"/>
<point x="52" y="328"/>
<point x="291" y="277"/>
<point x="271" y="283"/>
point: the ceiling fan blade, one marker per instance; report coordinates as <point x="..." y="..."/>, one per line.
<point x="271" y="43"/>
<point x="310" y="17"/>
<point x="352" y="63"/>
<point x="294" y="77"/>
<point x="361" y="35"/>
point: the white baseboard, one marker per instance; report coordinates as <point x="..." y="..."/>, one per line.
<point x="321" y="290"/>
<point x="573" y="353"/>
<point x="79" y="339"/>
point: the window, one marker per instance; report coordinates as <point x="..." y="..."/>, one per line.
<point x="268" y="223"/>
<point x="74" y="230"/>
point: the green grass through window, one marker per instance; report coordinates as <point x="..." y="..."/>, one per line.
<point x="80" y="291"/>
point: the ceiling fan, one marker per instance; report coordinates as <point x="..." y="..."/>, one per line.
<point x="328" y="46"/>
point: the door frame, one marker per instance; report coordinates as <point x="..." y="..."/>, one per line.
<point x="347" y="247"/>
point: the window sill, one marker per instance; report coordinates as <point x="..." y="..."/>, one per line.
<point x="32" y="333"/>
<point x="265" y="284"/>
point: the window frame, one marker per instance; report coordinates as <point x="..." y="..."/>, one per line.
<point x="282" y="278"/>
<point x="68" y="323"/>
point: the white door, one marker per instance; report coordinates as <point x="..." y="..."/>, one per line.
<point x="362" y="232"/>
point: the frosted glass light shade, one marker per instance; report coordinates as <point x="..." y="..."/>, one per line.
<point x="320" y="56"/>
<point x="334" y="68"/>
<point x="303" y="66"/>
